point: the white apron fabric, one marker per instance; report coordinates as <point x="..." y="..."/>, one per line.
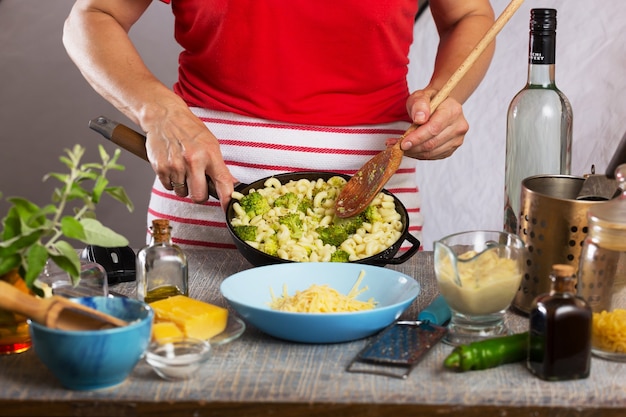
<point x="254" y="149"/>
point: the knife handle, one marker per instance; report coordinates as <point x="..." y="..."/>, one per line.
<point x="132" y="141"/>
<point x="437" y="312"/>
<point x="619" y="157"/>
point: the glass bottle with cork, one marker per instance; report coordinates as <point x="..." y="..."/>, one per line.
<point x="161" y="266"/>
<point x="560" y="330"/>
<point x="539" y="119"/>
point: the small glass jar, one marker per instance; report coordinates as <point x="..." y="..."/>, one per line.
<point x="162" y="269"/>
<point x="602" y="273"/>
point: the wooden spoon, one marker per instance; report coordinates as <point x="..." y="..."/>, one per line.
<point x="55" y="312"/>
<point x="367" y="182"/>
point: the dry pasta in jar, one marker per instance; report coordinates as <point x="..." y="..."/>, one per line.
<point x="296" y="221"/>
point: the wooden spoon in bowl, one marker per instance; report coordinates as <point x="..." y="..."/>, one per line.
<point x="365" y="185"/>
<point x="55" y="312"/>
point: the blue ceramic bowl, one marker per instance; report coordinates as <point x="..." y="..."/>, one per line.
<point x="248" y="292"/>
<point x="86" y="360"/>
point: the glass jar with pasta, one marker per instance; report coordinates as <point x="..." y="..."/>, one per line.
<point x="602" y="274"/>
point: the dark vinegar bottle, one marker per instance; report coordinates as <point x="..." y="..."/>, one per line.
<point x="560" y="330"/>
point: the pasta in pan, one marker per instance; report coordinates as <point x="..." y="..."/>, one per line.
<point x="296" y="221"/>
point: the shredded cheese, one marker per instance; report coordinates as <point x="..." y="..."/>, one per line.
<point x="609" y="330"/>
<point x="322" y="299"/>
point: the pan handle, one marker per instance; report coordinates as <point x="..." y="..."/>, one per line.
<point x="132" y="141"/>
<point x="406" y="255"/>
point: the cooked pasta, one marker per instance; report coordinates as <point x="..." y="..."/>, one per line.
<point x="322" y="299"/>
<point x="609" y="331"/>
<point x="316" y="209"/>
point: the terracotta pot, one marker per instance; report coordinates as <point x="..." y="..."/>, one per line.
<point x="14" y="334"/>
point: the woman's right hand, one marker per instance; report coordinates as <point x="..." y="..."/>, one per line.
<point x="183" y="152"/>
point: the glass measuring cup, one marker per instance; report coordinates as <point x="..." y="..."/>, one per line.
<point x="478" y="274"/>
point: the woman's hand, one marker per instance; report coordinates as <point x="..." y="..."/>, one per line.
<point x="438" y="135"/>
<point x="183" y="152"/>
<point x="460" y="25"/>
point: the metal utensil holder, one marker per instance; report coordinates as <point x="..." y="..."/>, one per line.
<point x="553" y="226"/>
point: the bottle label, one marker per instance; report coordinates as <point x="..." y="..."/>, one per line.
<point x="542" y="49"/>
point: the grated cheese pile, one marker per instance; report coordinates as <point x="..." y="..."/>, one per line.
<point x="609" y="330"/>
<point x="322" y="299"/>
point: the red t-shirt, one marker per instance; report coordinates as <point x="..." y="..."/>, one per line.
<point x="320" y="62"/>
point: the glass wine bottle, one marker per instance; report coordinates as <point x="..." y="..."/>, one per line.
<point x="539" y="119"/>
<point x="161" y="266"/>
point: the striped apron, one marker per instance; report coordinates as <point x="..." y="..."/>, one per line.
<point x="255" y="148"/>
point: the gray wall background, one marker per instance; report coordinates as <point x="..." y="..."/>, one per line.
<point x="46" y="105"/>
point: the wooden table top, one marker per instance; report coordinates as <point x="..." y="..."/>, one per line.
<point x="257" y="375"/>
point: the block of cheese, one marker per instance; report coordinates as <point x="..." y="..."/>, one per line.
<point x="194" y="318"/>
<point x="165" y="329"/>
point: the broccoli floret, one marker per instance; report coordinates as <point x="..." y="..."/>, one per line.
<point x="372" y="214"/>
<point x="294" y="223"/>
<point x="245" y="232"/>
<point x="332" y="235"/>
<point x="339" y="255"/>
<point x="305" y="205"/>
<point x="254" y="204"/>
<point x="289" y="201"/>
<point x="270" y="246"/>
<point x="349" y="224"/>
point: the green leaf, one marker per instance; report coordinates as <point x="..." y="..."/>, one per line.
<point x="36" y="259"/>
<point x="67" y="161"/>
<point x="99" y="188"/>
<point x="23" y="206"/>
<point x="72" y="228"/>
<point x="19" y="242"/>
<point x="11" y="224"/>
<point x="8" y="263"/>
<point x="66" y="258"/>
<point x="98" y="234"/>
<point x="120" y="195"/>
<point x="77" y="192"/>
<point x="61" y="177"/>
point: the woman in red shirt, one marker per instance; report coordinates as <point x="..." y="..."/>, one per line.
<point x="270" y="86"/>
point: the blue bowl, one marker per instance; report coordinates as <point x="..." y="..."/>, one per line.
<point x="248" y="292"/>
<point x="86" y="360"/>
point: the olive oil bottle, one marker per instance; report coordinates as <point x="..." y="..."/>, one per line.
<point x="161" y="266"/>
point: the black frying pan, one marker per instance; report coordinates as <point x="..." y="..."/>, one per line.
<point x="135" y="143"/>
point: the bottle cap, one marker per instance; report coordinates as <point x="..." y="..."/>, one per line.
<point x="160" y="223"/>
<point x="160" y="229"/>
<point x="542" y="20"/>
<point x="563" y="270"/>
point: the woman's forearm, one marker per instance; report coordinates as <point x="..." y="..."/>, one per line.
<point x="459" y="36"/>
<point x="96" y="38"/>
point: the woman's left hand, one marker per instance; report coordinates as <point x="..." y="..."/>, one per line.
<point x="438" y="134"/>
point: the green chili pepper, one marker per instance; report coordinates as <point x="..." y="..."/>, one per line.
<point x="488" y="353"/>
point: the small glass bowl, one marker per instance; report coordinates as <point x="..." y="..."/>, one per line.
<point x="177" y="358"/>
